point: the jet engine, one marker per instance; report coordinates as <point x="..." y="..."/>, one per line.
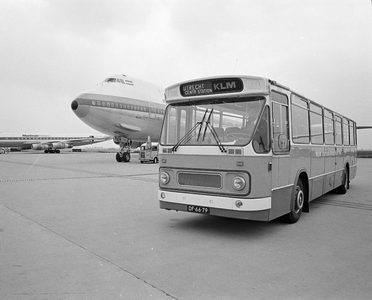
<point x="40" y="147"/>
<point x="116" y="139"/>
<point x="60" y="145"/>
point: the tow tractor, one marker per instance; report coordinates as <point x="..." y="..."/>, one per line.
<point x="149" y="152"/>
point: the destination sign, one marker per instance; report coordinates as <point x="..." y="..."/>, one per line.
<point x="211" y="86"/>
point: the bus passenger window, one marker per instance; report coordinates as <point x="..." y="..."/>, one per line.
<point x="328" y="128"/>
<point x="338" y="129"/>
<point x="345" y="130"/>
<point x="352" y="140"/>
<point x="300" y="125"/>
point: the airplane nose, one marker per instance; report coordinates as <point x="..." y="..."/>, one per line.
<point x="80" y="110"/>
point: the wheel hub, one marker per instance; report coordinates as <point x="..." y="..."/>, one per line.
<point x="299" y="200"/>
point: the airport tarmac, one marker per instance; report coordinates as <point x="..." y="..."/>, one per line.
<point x="82" y="226"/>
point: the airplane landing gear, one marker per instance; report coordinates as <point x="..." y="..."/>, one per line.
<point x="52" y="151"/>
<point x="123" y="157"/>
<point x="124" y="153"/>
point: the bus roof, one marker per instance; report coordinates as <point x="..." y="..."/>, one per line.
<point x="226" y="86"/>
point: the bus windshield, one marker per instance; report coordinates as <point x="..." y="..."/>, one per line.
<point x="222" y="121"/>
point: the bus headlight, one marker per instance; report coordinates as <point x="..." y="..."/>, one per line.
<point x="239" y="183"/>
<point x="164" y="178"/>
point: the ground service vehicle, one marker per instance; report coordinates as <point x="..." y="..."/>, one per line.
<point x="149" y="152"/>
<point x="247" y="147"/>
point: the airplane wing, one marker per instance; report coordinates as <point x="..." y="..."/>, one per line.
<point x="87" y="141"/>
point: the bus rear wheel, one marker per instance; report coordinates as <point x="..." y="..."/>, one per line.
<point x="342" y="189"/>
<point x="299" y="199"/>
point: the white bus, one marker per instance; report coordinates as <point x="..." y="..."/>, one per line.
<point x="249" y="148"/>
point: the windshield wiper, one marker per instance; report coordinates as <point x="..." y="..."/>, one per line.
<point x="190" y="134"/>
<point x="206" y="125"/>
<point x="187" y="137"/>
<point x="201" y="123"/>
<point x="215" y="135"/>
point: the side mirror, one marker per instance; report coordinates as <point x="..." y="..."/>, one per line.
<point x="283" y="142"/>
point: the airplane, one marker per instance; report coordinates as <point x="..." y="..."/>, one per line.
<point x="127" y="108"/>
<point x="50" y="144"/>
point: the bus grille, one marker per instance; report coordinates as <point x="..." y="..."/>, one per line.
<point x="200" y="179"/>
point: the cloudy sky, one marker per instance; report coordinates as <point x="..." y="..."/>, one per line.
<point x="52" y="51"/>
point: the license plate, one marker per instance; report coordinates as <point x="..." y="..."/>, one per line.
<point x="198" y="209"/>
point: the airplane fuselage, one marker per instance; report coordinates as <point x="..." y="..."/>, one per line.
<point x="121" y="116"/>
<point x="127" y="108"/>
<point x="46" y="142"/>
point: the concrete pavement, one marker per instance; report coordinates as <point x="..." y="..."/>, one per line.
<point x="82" y="226"/>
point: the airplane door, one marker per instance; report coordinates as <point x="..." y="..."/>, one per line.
<point x="152" y="110"/>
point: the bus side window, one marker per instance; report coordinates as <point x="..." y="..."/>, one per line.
<point x="338" y="130"/>
<point x="261" y="139"/>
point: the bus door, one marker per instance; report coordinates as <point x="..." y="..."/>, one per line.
<point x="280" y="160"/>
<point x="281" y="189"/>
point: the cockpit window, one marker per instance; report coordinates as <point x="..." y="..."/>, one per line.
<point x="118" y="80"/>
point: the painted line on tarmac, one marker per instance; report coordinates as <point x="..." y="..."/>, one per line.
<point x="70" y="240"/>
<point x="347" y="204"/>
<point x="132" y="177"/>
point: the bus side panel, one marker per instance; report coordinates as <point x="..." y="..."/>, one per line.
<point x="329" y="168"/>
<point x="340" y="165"/>
<point x="280" y="171"/>
<point x="300" y="161"/>
<point x="352" y="158"/>
<point x="281" y="202"/>
<point x="353" y="163"/>
<point x="316" y="172"/>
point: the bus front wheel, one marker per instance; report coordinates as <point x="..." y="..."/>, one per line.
<point x="299" y="199"/>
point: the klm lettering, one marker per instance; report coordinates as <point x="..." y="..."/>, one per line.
<point x="224" y="86"/>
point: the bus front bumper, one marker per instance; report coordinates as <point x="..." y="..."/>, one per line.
<point x="253" y="208"/>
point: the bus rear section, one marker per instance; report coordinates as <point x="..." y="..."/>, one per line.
<point x="234" y="147"/>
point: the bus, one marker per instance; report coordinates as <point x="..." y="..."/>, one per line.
<point x="250" y="148"/>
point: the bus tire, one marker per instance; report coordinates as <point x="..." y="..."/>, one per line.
<point x="156" y="160"/>
<point x="342" y="189"/>
<point x="299" y="199"/>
